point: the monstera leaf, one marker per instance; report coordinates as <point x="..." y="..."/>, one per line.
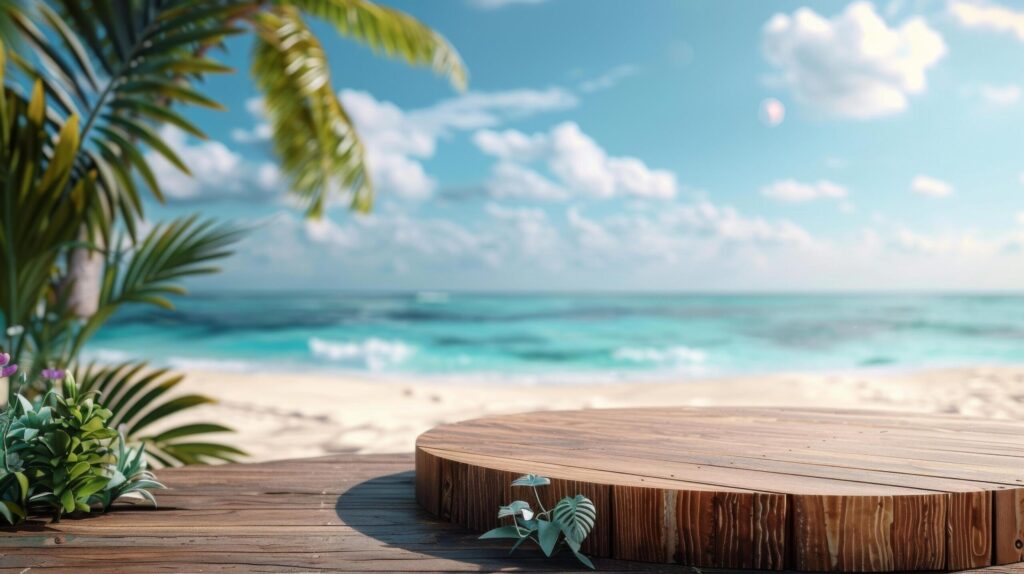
<point x="531" y="480"/>
<point x="576" y="516"/>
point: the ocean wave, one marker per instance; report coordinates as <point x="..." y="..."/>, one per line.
<point x="372" y="354"/>
<point x="211" y="365"/>
<point x="676" y="355"/>
<point x="107" y="356"/>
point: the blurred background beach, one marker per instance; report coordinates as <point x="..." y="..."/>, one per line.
<point x="560" y="204"/>
<point x="300" y="374"/>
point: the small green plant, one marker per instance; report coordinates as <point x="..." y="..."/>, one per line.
<point x="567" y="524"/>
<point x="60" y="456"/>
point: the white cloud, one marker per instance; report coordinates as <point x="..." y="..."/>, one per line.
<point x="577" y="162"/>
<point x="524" y="245"/>
<point x="512" y="180"/>
<point x="609" y="79"/>
<point x="261" y="131"/>
<point x="495" y="4"/>
<point x="930" y="186"/>
<point x="1000" y="95"/>
<point x="963" y="244"/>
<point x="398" y="141"/>
<point x="988" y="16"/>
<point x="511" y="144"/>
<point x="854" y="64"/>
<point x="792" y="191"/>
<point x="217" y="171"/>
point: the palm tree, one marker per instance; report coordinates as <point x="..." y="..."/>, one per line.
<point x="102" y="77"/>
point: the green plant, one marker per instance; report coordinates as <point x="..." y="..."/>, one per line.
<point x="568" y="523"/>
<point x="131" y="476"/>
<point x="136" y="395"/>
<point x="89" y="84"/>
<point x="58" y="456"/>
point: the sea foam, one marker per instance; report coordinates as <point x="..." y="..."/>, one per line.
<point x="372" y="354"/>
<point x="676" y="355"/>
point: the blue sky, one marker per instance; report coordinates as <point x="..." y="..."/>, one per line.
<point x="654" y="145"/>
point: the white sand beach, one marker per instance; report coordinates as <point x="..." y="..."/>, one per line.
<point x="299" y="415"/>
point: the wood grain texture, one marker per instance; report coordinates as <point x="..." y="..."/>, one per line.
<point x="969" y="530"/>
<point x="1008" y="541"/>
<point x="814" y="490"/>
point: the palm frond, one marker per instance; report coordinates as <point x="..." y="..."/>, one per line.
<point x="317" y="144"/>
<point x="151" y="271"/>
<point x="142" y="398"/>
<point x="38" y="218"/>
<point x="121" y="67"/>
<point x="390" y="31"/>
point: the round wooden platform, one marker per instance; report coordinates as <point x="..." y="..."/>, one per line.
<point x="810" y="490"/>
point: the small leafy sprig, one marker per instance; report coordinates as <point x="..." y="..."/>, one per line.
<point x="567" y="524"/>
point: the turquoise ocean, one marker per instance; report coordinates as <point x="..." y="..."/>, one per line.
<point x="568" y="338"/>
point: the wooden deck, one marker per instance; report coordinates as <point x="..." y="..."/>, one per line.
<point x="343" y="513"/>
<point x="809" y="490"/>
<point x="339" y="513"/>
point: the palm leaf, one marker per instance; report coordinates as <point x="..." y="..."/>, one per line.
<point x="146" y="51"/>
<point x="137" y="397"/>
<point x="389" y="31"/>
<point x="313" y="136"/>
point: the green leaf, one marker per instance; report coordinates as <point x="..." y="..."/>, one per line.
<point x="584" y="560"/>
<point x="78" y="470"/>
<point x="576" y="516"/>
<point x="531" y="480"/>
<point x="22" y="483"/>
<point x="547" y="536"/>
<point x="316" y="141"/>
<point x="501" y="532"/>
<point x="57" y="441"/>
<point x="92" y="487"/>
<point x="389" y="31"/>
<point x="514" y="509"/>
<point x="67" y="501"/>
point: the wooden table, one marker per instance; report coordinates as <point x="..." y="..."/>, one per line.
<point x="810" y="490"/>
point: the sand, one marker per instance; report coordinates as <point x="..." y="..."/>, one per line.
<point x="298" y="415"/>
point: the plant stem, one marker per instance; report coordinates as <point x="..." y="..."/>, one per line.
<point x="539" y="503"/>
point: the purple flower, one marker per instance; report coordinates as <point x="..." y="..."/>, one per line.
<point x="8" y="371"/>
<point x="4" y="359"/>
<point x="53" y="374"/>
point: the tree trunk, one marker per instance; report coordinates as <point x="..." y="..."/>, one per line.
<point x="84" y="279"/>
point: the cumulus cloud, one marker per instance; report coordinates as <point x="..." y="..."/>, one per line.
<point x="577" y="162"/>
<point x="217" y="171"/>
<point x="511" y="144"/>
<point x="512" y="180"/>
<point x="1000" y="95"/>
<point x="988" y="16"/>
<point x="522" y="243"/>
<point x="792" y="191"/>
<point x="398" y="141"/>
<point x="609" y="79"/>
<point x="261" y="131"/>
<point x="852" y="65"/>
<point x="930" y="186"/>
